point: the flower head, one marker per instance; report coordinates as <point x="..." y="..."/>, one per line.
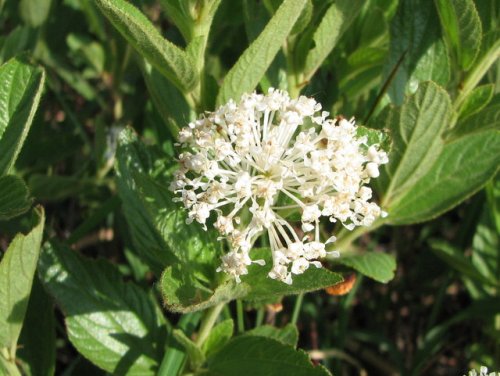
<point x="254" y="162"/>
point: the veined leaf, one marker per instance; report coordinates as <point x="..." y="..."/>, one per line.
<point x="14" y="197"/>
<point x="182" y="293"/>
<point x="256" y="355"/>
<point x="114" y="324"/>
<point x="416" y="35"/>
<point x="218" y="337"/>
<point x="334" y="23"/>
<point x="263" y="287"/>
<point x="375" y="265"/>
<point x="416" y="128"/>
<point x="462" y="25"/>
<point x="158" y="224"/>
<point x="477" y="100"/>
<point x="21" y="87"/>
<point x="169" y="59"/>
<point x="462" y="168"/>
<point x="288" y="335"/>
<point x="486" y="119"/>
<point x="131" y="160"/>
<point x="253" y="63"/>
<point x="167" y="99"/>
<point x="17" y="269"/>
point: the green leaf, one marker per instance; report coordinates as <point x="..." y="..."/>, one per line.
<point x="131" y="160"/>
<point x="487" y="119"/>
<point x="182" y="293"/>
<point x="167" y="99"/>
<point x="34" y="12"/>
<point x="456" y="260"/>
<point x="334" y="23"/>
<point x="245" y="75"/>
<point x="463" y="167"/>
<point x="256" y="355"/>
<point x="374" y="137"/>
<point x="37" y="343"/>
<point x="462" y="25"/>
<point x="477" y="100"/>
<point x="158" y="224"/>
<point x="288" y="335"/>
<point x="263" y="287"/>
<point x="416" y="128"/>
<point x="169" y="59"/>
<point x="17" y="269"/>
<point x="178" y="12"/>
<point x="415" y="35"/>
<point x="218" y="337"/>
<point x="14" y="197"/>
<point x="21" y="87"/>
<point x="114" y="324"/>
<point x="196" y="356"/>
<point x="22" y="38"/>
<point x="488" y="55"/>
<point x="375" y="265"/>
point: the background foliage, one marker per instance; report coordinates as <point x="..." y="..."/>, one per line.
<point x="99" y="272"/>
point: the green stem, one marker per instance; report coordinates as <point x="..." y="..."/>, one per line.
<point x="208" y="322"/>
<point x="296" y="308"/>
<point x="239" y="316"/>
<point x="260" y="317"/>
<point x="7" y="363"/>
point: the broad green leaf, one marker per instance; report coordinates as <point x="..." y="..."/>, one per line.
<point x="17" y="269"/>
<point x="461" y="23"/>
<point x="34" y="12"/>
<point x="195" y="354"/>
<point x="486" y="119"/>
<point x="131" y="160"/>
<point x="114" y="324"/>
<point x="21" y="87"/>
<point x="263" y="287"/>
<point x="288" y="335"/>
<point x="218" y="337"/>
<point x="415" y="35"/>
<point x="462" y="168"/>
<point x="14" y="197"/>
<point x="416" y="128"/>
<point x="167" y="99"/>
<point x="256" y="355"/>
<point x="178" y="12"/>
<point x="488" y="55"/>
<point x="37" y="343"/>
<point x="477" y="100"/>
<point x="182" y="293"/>
<point x="375" y="265"/>
<point x="169" y="59"/>
<point x="158" y="225"/>
<point x="20" y="39"/>
<point x="245" y="75"/>
<point x="334" y="23"/>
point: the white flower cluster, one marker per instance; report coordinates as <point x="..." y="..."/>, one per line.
<point x="255" y="162"/>
<point x="483" y="371"/>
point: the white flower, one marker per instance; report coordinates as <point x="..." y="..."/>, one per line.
<point x="253" y="162"/>
<point x="483" y="371"/>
